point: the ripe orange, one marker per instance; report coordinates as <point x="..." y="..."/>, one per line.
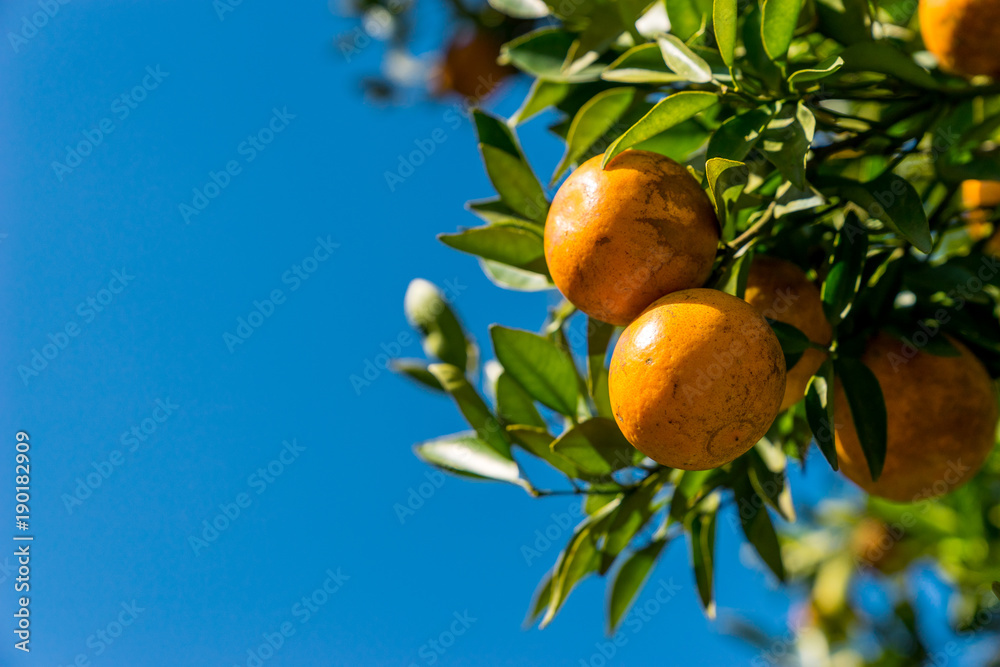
<point x="942" y="415"/>
<point x="617" y="239"/>
<point x="779" y="290"/>
<point x="963" y="34"/>
<point x="980" y="194"/>
<point x="470" y="66"/>
<point x="697" y="379"/>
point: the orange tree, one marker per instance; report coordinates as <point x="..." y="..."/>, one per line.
<point x="851" y="167"/>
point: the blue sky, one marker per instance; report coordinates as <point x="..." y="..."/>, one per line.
<point x="181" y="425"/>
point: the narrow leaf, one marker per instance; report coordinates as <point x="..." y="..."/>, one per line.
<point x="682" y="60"/>
<point x="472" y="406"/>
<point x="593" y="121"/>
<point x="864" y="397"/>
<point x="819" y="412"/>
<point x="427" y="310"/>
<point x="724" y="15"/>
<point x="596" y="446"/>
<point x="466" y="454"/>
<point x="778" y="21"/>
<point x="629" y="581"/>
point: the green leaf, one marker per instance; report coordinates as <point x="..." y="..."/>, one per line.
<point x="543" y="94"/>
<point x="635" y="510"/>
<point x="688" y="17"/>
<point x="472" y="406"/>
<point x="593" y="121"/>
<point x="542" y="596"/>
<point x="766" y="471"/>
<point x="758" y="528"/>
<point x="521" y="9"/>
<point x="598" y="338"/>
<point x="724" y="17"/>
<point x="778" y="21"/>
<point x="996" y="588"/>
<point x="845" y="20"/>
<point x="793" y="341"/>
<point x="726" y="181"/>
<point x="734" y="275"/>
<point x="514" y="405"/>
<point x="545" y="370"/>
<point x="819" y="412"/>
<point x="701" y="532"/>
<point x="537" y="441"/>
<point x="787" y="140"/>
<point x="465" y="454"/>
<point x="494" y="211"/>
<point x="821" y="71"/>
<point x="513" y="278"/>
<point x="683" y="60"/>
<point x="629" y="581"/>
<point x="691" y="488"/>
<point x="736" y="137"/>
<point x="578" y="559"/>
<point x="416" y="369"/>
<point x="508" y="169"/>
<point x="543" y="54"/>
<point x="640" y="64"/>
<point x="864" y="397"/>
<point x="891" y="199"/>
<point x="596" y="446"/>
<point x="844" y="278"/>
<point x="883" y="58"/>
<point x="428" y="311"/>
<point x="668" y="112"/>
<point x="501" y="243"/>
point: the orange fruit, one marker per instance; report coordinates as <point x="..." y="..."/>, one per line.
<point x="779" y="290"/>
<point x="980" y="194"/>
<point x="963" y="34"/>
<point x="942" y="414"/>
<point x="617" y="239"/>
<point x="470" y="66"/>
<point x="696" y="380"/>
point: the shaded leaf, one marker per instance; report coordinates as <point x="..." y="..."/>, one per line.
<point x="596" y="446"/>
<point x="726" y="181"/>
<point x="793" y="341"/>
<point x="891" y="199"/>
<point x="541" y="600"/>
<point x="513" y="278"/>
<point x="701" y="533"/>
<point x="688" y="17"/>
<point x="821" y="71"/>
<point x="514" y="405"/>
<point x="543" y="53"/>
<point x="598" y="338"/>
<point x="593" y="121"/>
<point x="844" y="278"/>
<point x="864" y="397"/>
<point x="629" y="581"/>
<point x="819" y="412"/>
<point x="668" y="112"/>
<point x="736" y="137"/>
<point x="537" y="440"/>
<point x="787" y="140"/>
<point x="758" y="528"/>
<point x="883" y="58"/>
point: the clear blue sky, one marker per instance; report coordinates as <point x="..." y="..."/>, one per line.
<point x="149" y="354"/>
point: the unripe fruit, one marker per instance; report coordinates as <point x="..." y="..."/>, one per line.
<point x="942" y="415"/>
<point x="617" y="239"/>
<point x="779" y="290"/>
<point x="697" y="379"/>
<point x="963" y="34"/>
